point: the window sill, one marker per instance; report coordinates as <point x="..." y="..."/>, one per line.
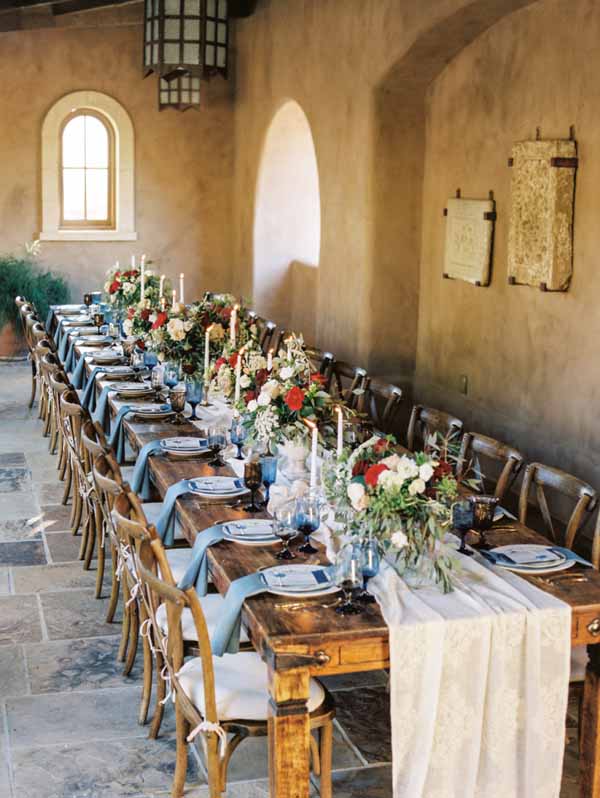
<point x="87" y="235"/>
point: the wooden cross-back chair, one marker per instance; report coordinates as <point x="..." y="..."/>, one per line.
<point x="49" y="364"/>
<point x="93" y="444"/>
<point x="381" y="402"/>
<point x="58" y="383"/>
<point x="209" y="691"/>
<point x="83" y="491"/>
<point x="19" y="302"/>
<point x="43" y="347"/>
<point x="427" y="422"/>
<point x="539" y="479"/>
<point x="37" y="336"/>
<point x="476" y="448"/>
<point x="349" y="383"/>
<point x="321" y="363"/>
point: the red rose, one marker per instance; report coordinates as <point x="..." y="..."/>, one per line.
<point x="372" y="473"/>
<point x="359" y="468"/>
<point x="294" y="398"/>
<point x="145" y="314"/>
<point x="320" y="378"/>
<point x="226" y="314"/>
<point x="161" y="319"/>
<point x="140" y="344"/>
<point x="233" y="360"/>
<point x="249" y="396"/>
<point x="261" y="376"/>
<point x="114" y="286"/>
<point x="220" y="362"/>
<point x="443" y="469"/>
<point x="382" y="445"/>
<point x="130" y="313"/>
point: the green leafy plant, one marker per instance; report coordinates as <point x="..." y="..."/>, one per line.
<point x="24" y="276"/>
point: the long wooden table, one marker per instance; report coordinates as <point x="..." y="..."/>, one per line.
<point x="297" y="644"/>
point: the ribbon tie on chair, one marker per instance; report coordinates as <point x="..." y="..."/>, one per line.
<point x="207" y="727"/>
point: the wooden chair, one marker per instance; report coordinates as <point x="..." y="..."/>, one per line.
<point x="381" y="402"/>
<point x="265" y="330"/>
<point x="80" y="480"/>
<point x="58" y="383"/>
<point x="322" y="363"/>
<point x="43" y="347"/>
<point x="426" y="422"/>
<point x="199" y="708"/>
<point x="94" y="446"/>
<point x="19" y="302"/>
<point x="49" y="364"/>
<point x="540" y="478"/>
<point x="349" y="383"/>
<point x="475" y="448"/>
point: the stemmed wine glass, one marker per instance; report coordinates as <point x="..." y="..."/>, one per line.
<point x="370" y="561"/>
<point x="238" y="435"/>
<point x="349" y="577"/>
<point x="269" y="473"/>
<point x="217" y="441"/>
<point x="193" y="392"/>
<point x="87" y="301"/>
<point x="307" y="520"/>
<point x="284" y="529"/>
<point x="253" y="481"/>
<point x="462" y="521"/>
<point x="171" y="375"/>
<point x="98" y="320"/>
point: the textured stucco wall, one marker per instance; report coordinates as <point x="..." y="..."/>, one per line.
<point x="183" y="161"/>
<point x="531" y="357"/>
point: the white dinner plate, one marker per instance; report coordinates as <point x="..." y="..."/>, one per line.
<point x="299" y="580"/>
<point x="251" y="532"/>
<point x="218" y="487"/>
<point x="559" y="563"/>
<point x="184" y="447"/>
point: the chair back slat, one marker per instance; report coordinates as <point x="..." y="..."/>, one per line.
<point x="474" y="447"/>
<point x="381" y="402"/>
<point x="349" y="384"/>
<point x="426" y="422"/>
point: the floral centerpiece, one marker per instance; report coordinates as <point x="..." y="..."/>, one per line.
<point x="277" y="404"/>
<point x="123" y="288"/>
<point x="253" y="371"/>
<point x="404" y="502"/>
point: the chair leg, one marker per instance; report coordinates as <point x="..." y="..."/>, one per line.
<point x="100" y="565"/>
<point x="92" y="537"/>
<point x="53" y="435"/>
<point x="61" y="466"/>
<point x="86" y="532"/>
<point x="68" y="483"/>
<point x="77" y="507"/>
<point x="134" y="634"/>
<point x="124" y="627"/>
<point x="147" y="683"/>
<point x="33" y="384"/>
<point x="161" y="692"/>
<point x="182" y="731"/>
<point x="113" y="601"/>
<point x="42" y="403"/>
<point x="325" y="755"/>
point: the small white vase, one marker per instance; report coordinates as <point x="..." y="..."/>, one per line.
<point x="295" y="455"/>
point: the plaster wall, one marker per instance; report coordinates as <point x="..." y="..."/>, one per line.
<point x="531" y="358"/>
<point x="183" y="161"/>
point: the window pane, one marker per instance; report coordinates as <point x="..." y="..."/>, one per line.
<point x="223" y="9"/>
<point x="73" y="148"/>
<point x="222" y="33"/>
<point x="73" y="194"/>
<point x="222" y="57"/>
<point x="96" y="143"/>
<point x="97" y="194"/>
<point x="172" y="28"/>
<point x="210" y="55"/>
<point x="171" y="53"/>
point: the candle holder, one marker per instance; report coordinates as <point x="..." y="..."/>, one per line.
<point x="205" y="402"/>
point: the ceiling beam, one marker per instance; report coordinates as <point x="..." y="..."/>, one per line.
<point x="73" y="6"/>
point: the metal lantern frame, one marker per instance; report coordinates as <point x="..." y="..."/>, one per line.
<point x="186" y="38"/>
<point x="181" y="93"/>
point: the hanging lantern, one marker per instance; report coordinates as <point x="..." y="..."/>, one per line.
<point x="185" y="37"/>
<point x="180" y="93"/>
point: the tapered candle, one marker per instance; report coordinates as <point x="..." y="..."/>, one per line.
<point x="232" y="324"/>
<point x="207" y="351"/>
<point x="181" y="296"/>
<point x="289" y="349"/>
<point x="174" y="300"/>
<point x="238" y="375"/>
<point x="340" y="432"/>
<point x="313" y="455"/>
<point x="133" y="261"/>
<point x="162" y="286"/>
<point x="270" y="360"/>
<point x="142" y="278"/>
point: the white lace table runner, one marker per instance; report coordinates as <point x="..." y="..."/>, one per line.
<point x="479" y="686"/>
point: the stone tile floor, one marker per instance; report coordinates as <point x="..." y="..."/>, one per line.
<point x="68" y="718"/>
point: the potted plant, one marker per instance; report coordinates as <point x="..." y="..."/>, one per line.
<point x="22" y="275"/>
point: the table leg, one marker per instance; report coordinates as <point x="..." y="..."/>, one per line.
<point x="289" y="733"/>
<point x="589" y="755"/>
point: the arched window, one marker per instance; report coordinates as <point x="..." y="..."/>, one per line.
<point x="87" y="171"/>
<point x="88" y="162"/>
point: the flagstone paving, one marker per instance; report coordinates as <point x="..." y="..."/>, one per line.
<point x="68" y="717"/>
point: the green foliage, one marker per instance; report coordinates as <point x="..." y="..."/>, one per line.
<point x="23" y="276"/>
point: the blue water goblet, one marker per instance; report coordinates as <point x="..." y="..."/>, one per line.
<point x="238" y="436"/>
<point x="370" y="561"/>
<point x="171" y="375"/>
<point x="307" y="521"/>
<point x="269" y="473"/>
<point x="217" y="441"/>
<point x="193" y="393"/>
<point x="462" y="521"/>
<point x="150" y="359"/>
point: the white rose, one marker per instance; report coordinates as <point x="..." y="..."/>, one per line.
<point x="128" y="327"/>
<point x="287" y="373"/>
<point x="129" y="288"/>
<point x="407" y="467"/>
<point x="390" y="479"/>
<point x="176" y="330"/>
<point x="392" y="461"/>
<point x="252" y="405"/>
<point x="244" y="381"/>
<point x="416" y="486"/>
<point x="264" y="399"/>
<point x="358" y="496"/>
<point x="152" y="318"/>
<point x="272" y="387"/>
<point x="399" y="540"/>
<point x="425" y="472"/>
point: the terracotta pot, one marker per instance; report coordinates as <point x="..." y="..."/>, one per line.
<point x="12" y="344"/>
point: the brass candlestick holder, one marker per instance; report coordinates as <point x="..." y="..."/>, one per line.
<point x="205" y="402"/>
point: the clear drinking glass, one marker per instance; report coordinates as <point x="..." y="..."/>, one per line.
<point x="284" y="529"/>
<point x="348" y="576"/>
<point x="217" y="441"/>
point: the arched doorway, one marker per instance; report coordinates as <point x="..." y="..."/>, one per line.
<point x="287" y="223"/>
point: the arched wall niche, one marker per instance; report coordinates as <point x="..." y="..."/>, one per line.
<point x="398" y="152"/>
<point x="287" y="222"/>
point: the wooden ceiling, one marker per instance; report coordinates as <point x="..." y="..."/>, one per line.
<point x="58" y="7"/>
